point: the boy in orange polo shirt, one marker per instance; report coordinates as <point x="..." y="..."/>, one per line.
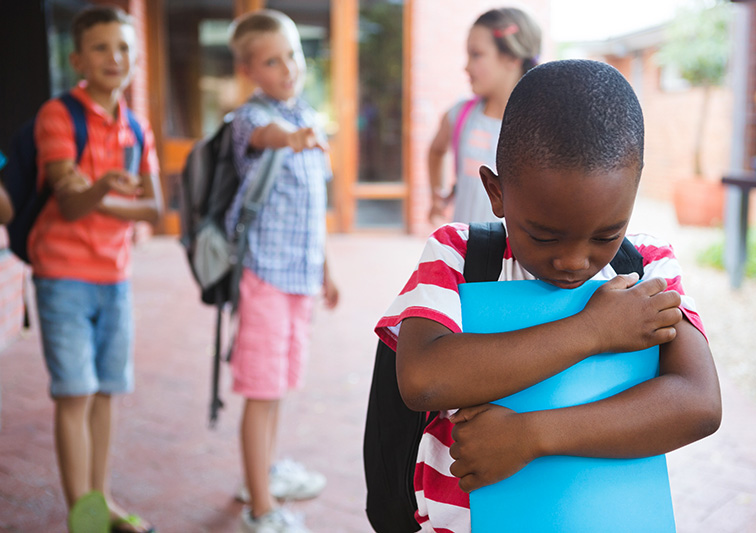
<point x="80" y="251"/>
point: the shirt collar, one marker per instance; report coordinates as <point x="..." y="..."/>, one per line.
<point x="90" y="105"/>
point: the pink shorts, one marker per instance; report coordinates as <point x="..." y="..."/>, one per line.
<point x="272" y="341"/>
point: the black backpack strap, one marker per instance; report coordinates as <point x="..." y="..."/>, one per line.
<point x="628" y="259"/>
<point x="485" y="251"/>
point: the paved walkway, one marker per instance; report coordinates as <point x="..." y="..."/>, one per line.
<point x="169" y="467"/>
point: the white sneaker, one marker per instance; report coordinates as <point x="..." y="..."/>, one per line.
<point x="290" y="480"/>
<point x="278" y="520"/>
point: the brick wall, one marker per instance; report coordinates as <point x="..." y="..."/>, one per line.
<point x="139" y="95"/>
<point x="751" y="111"/>
<point x="438" y="56"/>
<point x="671" y="120"/>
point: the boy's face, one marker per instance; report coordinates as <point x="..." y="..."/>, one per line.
<point x="564" y="226"/>
<point x="276" y="64"/>
<point x="106" y="56"/>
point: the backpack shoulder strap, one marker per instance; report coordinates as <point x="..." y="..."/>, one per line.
<point x="269" y="167"/>
<point x="76" y="110"/>
<point x="487" y="242"/>
<point x="485" y="251"/>
<point x="460" y="122"/>
<point x="136" y="128"/>
<point x="628" y="259"/>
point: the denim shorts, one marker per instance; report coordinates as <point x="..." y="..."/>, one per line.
<point x="87" y="336"/>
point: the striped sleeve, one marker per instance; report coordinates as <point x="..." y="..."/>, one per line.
<point x="440" y="501"/>
<point x="432" y="290"/>
<point x="659" y="261"/>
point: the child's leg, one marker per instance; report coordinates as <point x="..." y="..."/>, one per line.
<point x="73" y="445"/>
<point x="100" y="426"/>
<point x="257" y="430"/>
<point x="65" y="310"/>
<point x="114" y="344"/>
<point x="274" y="434"/>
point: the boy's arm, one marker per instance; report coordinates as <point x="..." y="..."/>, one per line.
<point x="284" y="135"/>
<point x="78" y="197"/>
<point x="439" y="370"/>
<point x="147" y="207"/>
<point x="6" y="207"/>
<point x="680" y="406"/>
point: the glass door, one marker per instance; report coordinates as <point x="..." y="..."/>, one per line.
<point x="380" y="190"/>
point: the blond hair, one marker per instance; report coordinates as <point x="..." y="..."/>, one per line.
<point x="515" y="32"/>
<point x="249" y="26"/>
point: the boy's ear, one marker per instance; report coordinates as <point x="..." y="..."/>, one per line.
<point x="75" y="59"/>
<point x="493" y="188"/>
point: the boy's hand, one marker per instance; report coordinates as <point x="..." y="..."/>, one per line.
<point x="626" y="317"/>
<point x="330" y="292"/>
<point x="122" y="182"/>
<point x="491" y="443"/>
<point x="304" y="139"/>
<point x="439" y="205"/>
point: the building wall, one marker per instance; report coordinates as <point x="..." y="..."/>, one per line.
<point x="751" y="111"/>
<point x="672" y="119"/>
<point x="437" y="80"/>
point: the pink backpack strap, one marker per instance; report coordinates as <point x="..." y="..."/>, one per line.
<point x="459" y="124"/>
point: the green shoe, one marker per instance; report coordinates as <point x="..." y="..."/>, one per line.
<point x="90" y="514"/>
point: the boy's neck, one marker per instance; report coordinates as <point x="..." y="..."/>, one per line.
<point x="288" y="103"/>
<point x="108" y="100"/>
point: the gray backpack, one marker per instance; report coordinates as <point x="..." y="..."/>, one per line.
<point x="209" y="184"/>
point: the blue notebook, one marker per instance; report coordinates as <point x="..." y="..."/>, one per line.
<point x="559" y="493"/>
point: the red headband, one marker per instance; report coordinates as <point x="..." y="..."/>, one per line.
<point x="509" y="30"/>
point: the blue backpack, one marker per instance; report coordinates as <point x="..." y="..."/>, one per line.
<point x="20" y="175"/>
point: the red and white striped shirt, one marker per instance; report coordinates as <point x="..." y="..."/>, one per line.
<point x="432" y="292"/>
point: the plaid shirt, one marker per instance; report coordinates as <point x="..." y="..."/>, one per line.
<point x="286" y="242"/>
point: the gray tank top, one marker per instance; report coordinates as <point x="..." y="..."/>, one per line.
<point x="477" y="146"/>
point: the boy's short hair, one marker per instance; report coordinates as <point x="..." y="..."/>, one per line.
<point x="246" y="27"/>
<point x="574" y="114"/>
<point x="97" y="15"/>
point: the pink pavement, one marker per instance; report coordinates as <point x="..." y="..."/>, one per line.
<point x="170" y="468"/>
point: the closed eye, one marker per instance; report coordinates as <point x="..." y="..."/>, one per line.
<point x="606" y="239"/>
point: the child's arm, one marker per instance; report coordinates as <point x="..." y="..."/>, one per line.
<point x="330" y="291"/>
<point x="436" y="153"/>
<point x="439" y="370"/>
<point x="6" y="207"/>
<point x="283" y="135"/>
<point x="76" y="196"/>
<point x="680" y="406"/>
<point x="147" y="207"/>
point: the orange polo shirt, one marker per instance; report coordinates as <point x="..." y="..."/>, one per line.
<point x="95" y="248"/>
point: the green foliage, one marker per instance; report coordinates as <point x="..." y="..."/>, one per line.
<point x="713" y="256"/>
<point x="698" y="42"/>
